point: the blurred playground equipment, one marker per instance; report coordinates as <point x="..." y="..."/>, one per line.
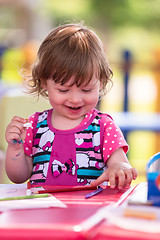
<point x="140" y="127"/>
<point x="132" y="121"/>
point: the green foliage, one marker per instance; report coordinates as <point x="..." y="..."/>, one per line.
<point x="110" y="13"/>
<point x="62" y="11"/>
<point x="120" y="13"/>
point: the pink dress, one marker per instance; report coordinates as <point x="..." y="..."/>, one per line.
<point x="75" y="156"/>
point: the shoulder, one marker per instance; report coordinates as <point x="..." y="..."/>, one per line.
<point x="42" y="116"/>
<point x="104" y="117"/>
<point x="39" y="117"/>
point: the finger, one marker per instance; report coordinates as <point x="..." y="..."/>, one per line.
<point x="16" y="122"/>
<point x="16" y="126"/>
<point x="112" y="179"/>
<point x="11" y="138"/>
<point x="14" y="132"/>
<point x="121" y="179"/>
<point x="16" y="129"/>
<point x="134" y="173"/>
<point x="19" y="119"/>
<point x="128" y="177"/>
<point x="102" y="178"/>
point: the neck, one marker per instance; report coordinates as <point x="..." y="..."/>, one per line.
<point x="63" y="123"/>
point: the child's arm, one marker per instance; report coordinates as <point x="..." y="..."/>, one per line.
<point x="119" y="171"/>
<point x="18" y="164"/>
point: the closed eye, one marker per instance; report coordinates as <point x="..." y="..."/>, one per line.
<point x="86" y="90"/>
<point x="63" y="90"/>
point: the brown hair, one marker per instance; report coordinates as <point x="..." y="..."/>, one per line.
<point x="68" y="50"/>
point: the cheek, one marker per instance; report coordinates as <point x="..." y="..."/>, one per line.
<point x="56" y="100"/>
<point x="92" y="98"/>
<point x="53" y="100"/>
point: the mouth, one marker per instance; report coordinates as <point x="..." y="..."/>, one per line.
<point x="74" y="108"/>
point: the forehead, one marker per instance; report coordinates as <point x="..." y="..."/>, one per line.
<point x="72" y="81"/>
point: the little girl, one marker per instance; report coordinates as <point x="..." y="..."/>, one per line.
<point x="72" y="143"/>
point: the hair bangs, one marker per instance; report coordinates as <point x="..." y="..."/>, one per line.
<point x="81" y="66"/>
<point x="70" y="51"/>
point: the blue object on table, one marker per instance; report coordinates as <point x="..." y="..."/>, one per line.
<point x="153" y="178"/>
<point x="98" y="190"/>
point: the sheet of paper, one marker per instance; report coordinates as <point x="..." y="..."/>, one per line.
<point x="139" y="195"/>
<point x="46" y="202"/>
<point x="116" y="217"/>
<point x="14" y="190"/>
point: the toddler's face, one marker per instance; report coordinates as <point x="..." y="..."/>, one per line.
<point x="70" y="101"/>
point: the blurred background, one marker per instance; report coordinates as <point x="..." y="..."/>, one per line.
<point x="131" y="35"/>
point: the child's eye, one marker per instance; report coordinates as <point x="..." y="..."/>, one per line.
<point x="86" y="90"/>
<point x="63" y="90"/>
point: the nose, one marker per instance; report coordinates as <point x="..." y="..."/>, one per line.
<point x="75" y="97"/>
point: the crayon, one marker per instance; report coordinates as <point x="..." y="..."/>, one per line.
<point x="98" y="190"/>
<point x="26" y="197"/>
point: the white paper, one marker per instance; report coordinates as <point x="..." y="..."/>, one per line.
<point x="46" y="202"/>
<point x="14" y="190"/>
<point x="116" y="217"/>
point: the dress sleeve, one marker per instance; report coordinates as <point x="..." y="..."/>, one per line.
<point x="28" y="143"/>
<point x="113" y="138"/>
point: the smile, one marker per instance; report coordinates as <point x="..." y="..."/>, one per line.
<point x="74" y="108"/>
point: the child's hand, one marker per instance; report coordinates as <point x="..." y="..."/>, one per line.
<point x="119" y="172"/>
<point x="120" y="175"/>
<point x="15" y="131"/>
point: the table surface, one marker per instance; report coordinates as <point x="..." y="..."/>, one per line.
<point x="58" y="223"/>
